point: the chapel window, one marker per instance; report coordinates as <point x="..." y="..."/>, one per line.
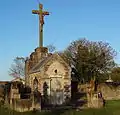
<point x="55" y="71"/>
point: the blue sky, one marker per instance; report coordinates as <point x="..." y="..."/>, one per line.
<point x="68" y="20"/>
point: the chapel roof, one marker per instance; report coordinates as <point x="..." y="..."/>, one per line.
<point x="43" y="61"/>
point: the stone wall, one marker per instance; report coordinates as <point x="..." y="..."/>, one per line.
<point x="1" y="94"/>
<point x="110" y="91"/>
<point x="93" y="101"/>
<point x="34" y="58"/>
<point x="21" y="105"/>
<point x="56" y="73"/>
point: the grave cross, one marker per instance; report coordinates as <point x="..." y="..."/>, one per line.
<point x="41" y="14"/>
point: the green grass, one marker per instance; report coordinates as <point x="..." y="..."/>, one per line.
<point x="111" y="108"/>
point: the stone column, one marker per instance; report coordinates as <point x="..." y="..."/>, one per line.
<point x="26" y="71"/>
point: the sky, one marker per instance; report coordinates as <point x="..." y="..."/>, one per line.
<point x="69" y="20"/>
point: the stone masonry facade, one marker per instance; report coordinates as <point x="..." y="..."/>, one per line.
<point x="51" y="69"/>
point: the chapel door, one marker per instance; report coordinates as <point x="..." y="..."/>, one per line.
<point x="56" y="91"/>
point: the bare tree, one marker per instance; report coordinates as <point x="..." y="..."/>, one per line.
<point x="51" y="48"/>
<point x="17" y="68"/>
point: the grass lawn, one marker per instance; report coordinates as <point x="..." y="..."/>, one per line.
<point x="111" y="108"/>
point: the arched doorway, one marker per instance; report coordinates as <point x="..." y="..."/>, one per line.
<point x="36" y="93"/>
<point x="35" y="84"/>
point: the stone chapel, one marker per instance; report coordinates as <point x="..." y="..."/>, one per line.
<point x="44" y="68"/>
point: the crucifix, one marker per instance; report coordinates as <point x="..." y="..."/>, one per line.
<point x="41" y="14"/>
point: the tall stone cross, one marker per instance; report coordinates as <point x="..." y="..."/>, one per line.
<point x="41" y="14"/>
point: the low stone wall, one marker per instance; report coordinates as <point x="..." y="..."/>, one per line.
<point x="83" y="87"/>
<point x="22" y="105"/>
<point x="93" y="100"/>
<point x="110" y="91"/>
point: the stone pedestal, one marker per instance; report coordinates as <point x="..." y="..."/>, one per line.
<point x="36" y="105"/>
<point x="94" y="101"/>
<point x="41" y="52"/>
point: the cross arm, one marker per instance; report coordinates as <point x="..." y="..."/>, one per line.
<point x="45" y="13"/>
<point x="35" y="12"/>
